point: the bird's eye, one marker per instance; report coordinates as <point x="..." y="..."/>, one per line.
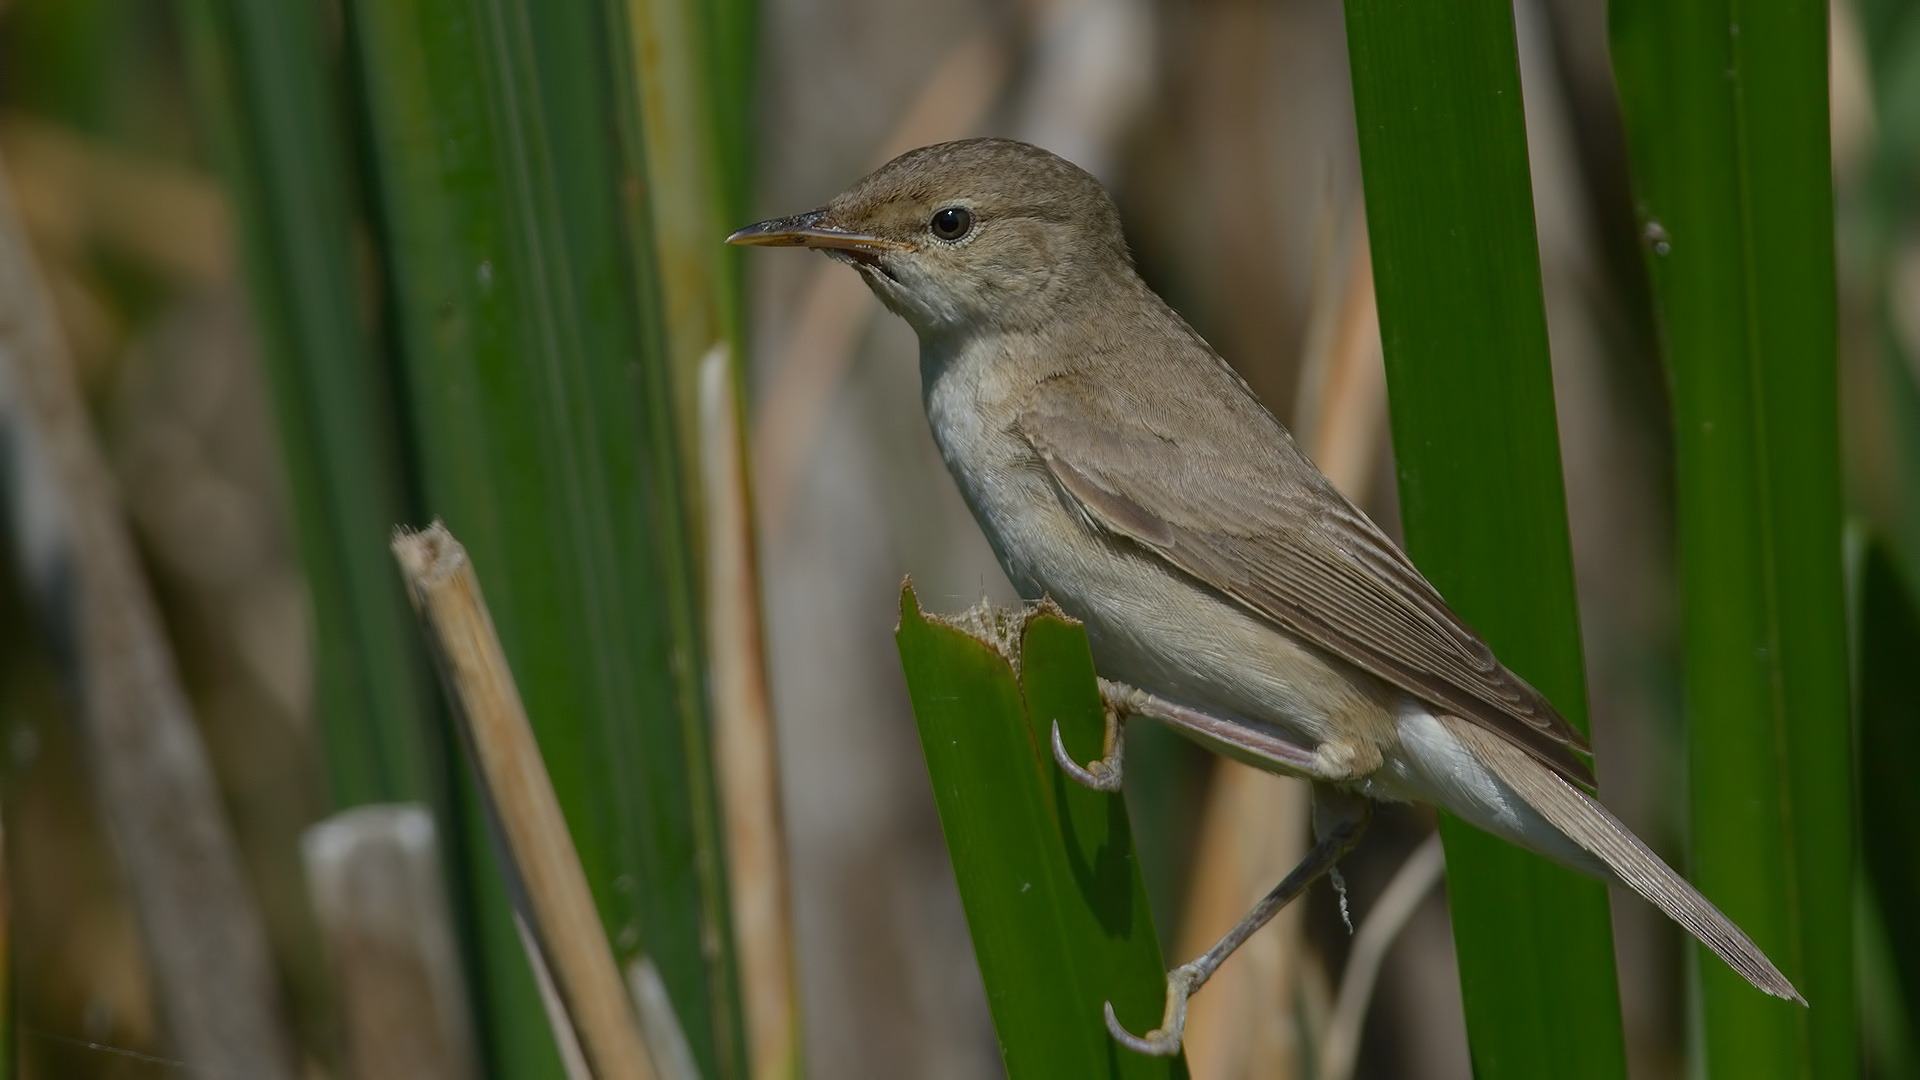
<point x="951" y="223"/>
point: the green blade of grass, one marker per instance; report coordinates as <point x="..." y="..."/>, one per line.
<point x="264" y="90"/>
<point x="1443" y="157"/>
<point x="1725" y="106"/>
<point x="1046" y="869"/>
<point x="536" y="360"/>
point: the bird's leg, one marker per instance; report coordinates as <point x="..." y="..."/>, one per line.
<point x="1117" y="702"/>
<point x="1338" y="820"/>
<point x="1122" y="701"/>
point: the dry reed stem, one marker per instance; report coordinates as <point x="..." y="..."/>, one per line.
<point x="1340" y="1044"/>
<point x="566" y="1034"/>
<point x="746" y="754"/>
<point x="204" y="939"/>
<point x="682" y="173"/>
<point x="560" y="920"/>
<point x="1344" y="384"/>
<point x="374" y="875"/>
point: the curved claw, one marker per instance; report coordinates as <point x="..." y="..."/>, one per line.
<point x="1100" y="775"/>
<point x="1163" y="1041"/>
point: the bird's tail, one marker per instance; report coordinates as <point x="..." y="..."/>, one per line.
<point x="1588" y="824"/>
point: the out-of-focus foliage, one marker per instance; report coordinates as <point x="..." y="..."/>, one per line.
<point x="1887" y="644"/>
<point x="530" y="401"/>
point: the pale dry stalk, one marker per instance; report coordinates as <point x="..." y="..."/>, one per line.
<point x="559" y="919"/>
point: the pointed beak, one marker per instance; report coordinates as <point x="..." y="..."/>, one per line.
<point x="813" y="229"/>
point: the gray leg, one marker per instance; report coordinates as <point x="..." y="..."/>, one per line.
<point x="1104" y="773"/>
<point x="1338" y="820"/>
<point x="1122" y="701"/>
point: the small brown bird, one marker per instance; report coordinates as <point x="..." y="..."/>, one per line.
<point x="1117" y="464"/>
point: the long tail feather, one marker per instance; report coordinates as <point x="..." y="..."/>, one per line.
<point x="1589" y="824"/>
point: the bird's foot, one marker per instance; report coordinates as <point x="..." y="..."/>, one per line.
<point x="1122" y="700"/>
<point x="1163" y="1041"/>
<point x="1119" y="701"/>
<point x="1339" y="817"/>
<point x="1101" y="774"/>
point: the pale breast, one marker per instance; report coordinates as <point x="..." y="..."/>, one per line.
<point x="1149" y="625"/>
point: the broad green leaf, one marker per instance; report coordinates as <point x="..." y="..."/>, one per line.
<point x="1443" y="157"/>
<point x="1046" y="868"/>
<point x="1725" y="103"/>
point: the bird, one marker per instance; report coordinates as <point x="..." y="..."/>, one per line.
<point x="1118" y="465"/>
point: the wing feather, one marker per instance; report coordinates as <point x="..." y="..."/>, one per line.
<point x="1255" y="520"/>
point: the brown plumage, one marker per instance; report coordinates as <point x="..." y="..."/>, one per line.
<point x="1116" y="463"/>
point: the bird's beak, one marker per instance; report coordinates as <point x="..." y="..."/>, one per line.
<point x="813" y="229"/>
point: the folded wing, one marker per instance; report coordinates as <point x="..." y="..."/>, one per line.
<point x="1251" y="517"/>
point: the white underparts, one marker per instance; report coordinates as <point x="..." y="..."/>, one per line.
<point x="1435" y="767"/>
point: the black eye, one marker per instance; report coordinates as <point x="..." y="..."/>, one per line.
<point x="951" y="223"/>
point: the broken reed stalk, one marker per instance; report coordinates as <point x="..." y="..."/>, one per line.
<point x="547" y="885"/>
<point x="373" y="873"/>
<point x="205" y="942"/>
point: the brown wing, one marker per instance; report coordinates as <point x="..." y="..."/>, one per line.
<point x="1245" y="512"/>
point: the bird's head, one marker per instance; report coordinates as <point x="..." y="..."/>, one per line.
<point x="971" y="235"/>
